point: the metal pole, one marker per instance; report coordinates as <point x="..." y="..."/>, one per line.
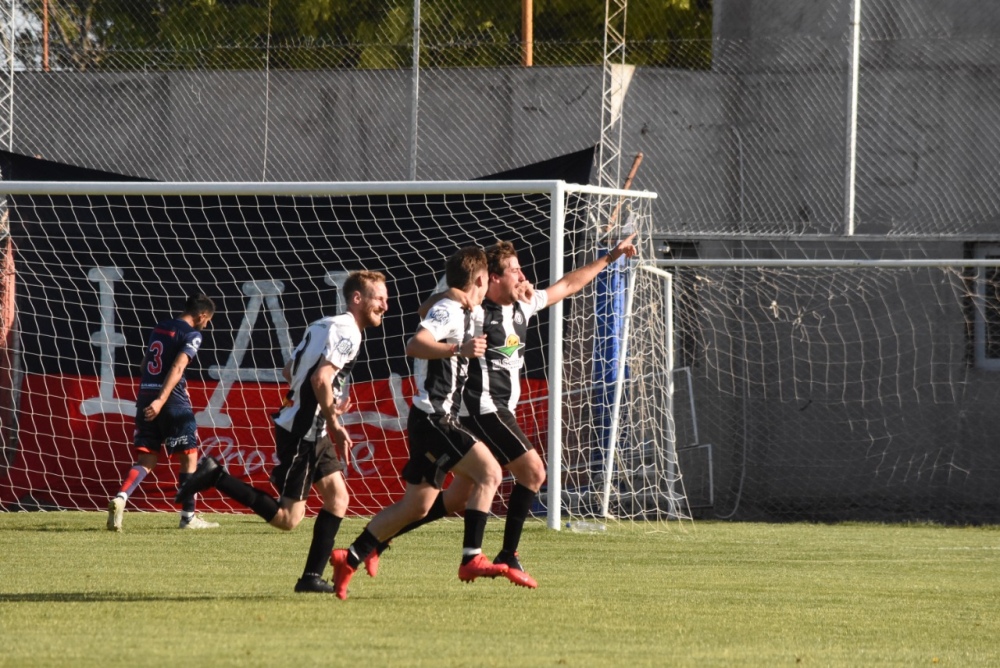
<point x="45" y="35"/>
<point x="9" y="129"/>
<point x="415" y="99"/>
<point x="527" y="33"/>
<point x="852" y="118"/>
<point x="555" y="472"/>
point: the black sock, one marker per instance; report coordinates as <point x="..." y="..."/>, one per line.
<point x="518" y="507"/>
<point x="188" y="506"/>
<point x="245" y="495"/>
<point x="436" y="512"/>
<point x="324" y="535"/>
<point x="475" y="527"/>
<point x="361" y="548"/>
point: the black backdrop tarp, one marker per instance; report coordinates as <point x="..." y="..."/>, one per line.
<point x="167" y="247"/>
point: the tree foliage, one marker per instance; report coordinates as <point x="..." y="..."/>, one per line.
<point x="115" y="35"/>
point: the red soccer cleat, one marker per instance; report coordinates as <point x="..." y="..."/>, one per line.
<point x="515" y="572"/>
<point x="480" y="567"/>
<point x="371" y="564"/>
<point x="342" y="573"/>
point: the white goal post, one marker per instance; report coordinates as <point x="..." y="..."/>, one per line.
<point x="97" y="263"/>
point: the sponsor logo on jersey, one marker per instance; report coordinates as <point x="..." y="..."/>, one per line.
<point x="511" y="346"/>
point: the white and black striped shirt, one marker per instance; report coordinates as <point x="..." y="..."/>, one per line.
<point x="440" y="382"/>
<point x="336" y="339"/>
<point x="495" y="378"/>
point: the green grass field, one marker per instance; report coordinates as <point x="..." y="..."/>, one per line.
<point x="710" y="594"/>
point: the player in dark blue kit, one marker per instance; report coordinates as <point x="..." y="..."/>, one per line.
<point x="164" y="418"/>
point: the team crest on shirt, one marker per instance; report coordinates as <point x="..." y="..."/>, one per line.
<point x="438" y="315"/>
<point x="518" y="317"/>
<point x="345" y="346"/>
<point x="511" y="346"/>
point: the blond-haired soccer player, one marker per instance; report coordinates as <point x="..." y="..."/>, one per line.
<point x="311" y="444"/>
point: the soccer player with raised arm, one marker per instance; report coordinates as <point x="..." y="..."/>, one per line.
<point x="494" y="387"/>
<point x="437" y="440"/>
<point x="311" y="444"/>
<point x="164" y="418"/>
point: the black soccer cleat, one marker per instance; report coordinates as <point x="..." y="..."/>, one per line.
<point x="313" y="584"/>
<point x="205" y="475"/>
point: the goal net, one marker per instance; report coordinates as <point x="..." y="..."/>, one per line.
<point x="824" y="389"/>
<point x="96" y="265"/>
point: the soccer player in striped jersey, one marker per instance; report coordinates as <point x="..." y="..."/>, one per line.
<point x="164" y="419"/>
<point x="494" y="387"/>
<point x="437" y="440"/>
<point x="312" y="446"/>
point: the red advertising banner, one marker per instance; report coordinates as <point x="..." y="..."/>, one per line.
<point x="73" y="448"/>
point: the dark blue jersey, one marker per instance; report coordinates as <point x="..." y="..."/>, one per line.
<point x="168" y="339"/>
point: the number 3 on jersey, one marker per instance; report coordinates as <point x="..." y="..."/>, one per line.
<point x="155" y="364"/>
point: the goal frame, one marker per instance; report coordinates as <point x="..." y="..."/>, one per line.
<point x="556" y="190"/>
<point x="666" y="267"/>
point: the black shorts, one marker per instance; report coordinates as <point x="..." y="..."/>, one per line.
<point x="437" y="443"/>
<point x="174" y="429"/>
<point x="301" y="463"/>
<point x="500" y="432"/>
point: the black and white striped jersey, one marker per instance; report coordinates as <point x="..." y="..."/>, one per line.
<point x="440" y="382"/>
<point x="336" y="339"/>
<point x="495" y="378"/>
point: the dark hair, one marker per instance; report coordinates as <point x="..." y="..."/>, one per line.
<point x="198" y="303"/>
<point x="358" y="280"/>
<point x="497" y="254"/>
<point x="463" y="266"/>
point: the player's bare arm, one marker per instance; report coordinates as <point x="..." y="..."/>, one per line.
<point x="174" y="377"/>
<point x="576" y="280"/>
<point x="322" y="384"/>
<point x="424" y="346"/>
<point x="451" y="293"/>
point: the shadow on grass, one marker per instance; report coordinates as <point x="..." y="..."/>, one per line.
<point x="57" y="528"/>
<point x="122" y="597"/>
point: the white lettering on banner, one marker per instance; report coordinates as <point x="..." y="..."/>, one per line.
<point x="231" y="454"/>
<point x="362" y="453"/>
<point x="381" y="420"/>
<point x="106" y="339"/>
<point x="260" y="293"/>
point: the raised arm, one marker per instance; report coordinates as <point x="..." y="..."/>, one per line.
<point x="576" y="280"/>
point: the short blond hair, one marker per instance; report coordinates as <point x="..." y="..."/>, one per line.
<point x="357" y="281"/>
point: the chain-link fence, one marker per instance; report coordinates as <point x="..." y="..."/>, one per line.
<point x="743" y="130"/>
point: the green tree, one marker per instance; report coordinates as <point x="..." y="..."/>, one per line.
<point x="117" y="35"/>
